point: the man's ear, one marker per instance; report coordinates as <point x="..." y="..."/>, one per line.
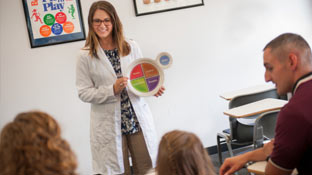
<point x="293" y="61"/>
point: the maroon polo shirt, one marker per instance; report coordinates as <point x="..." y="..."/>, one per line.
<point x="293" y="133"/>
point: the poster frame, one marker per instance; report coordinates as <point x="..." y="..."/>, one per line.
<point x="55" y="39"/>
<point x="158" y="6"/>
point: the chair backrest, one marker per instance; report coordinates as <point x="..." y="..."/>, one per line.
<point x="238" y="130"/>
<point x="264" y="127"/>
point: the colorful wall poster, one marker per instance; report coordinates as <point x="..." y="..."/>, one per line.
<point x="53" y="21"/>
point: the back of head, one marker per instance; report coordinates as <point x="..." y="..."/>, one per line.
<point x="182" y="153"/>
<point x="32" y="145"/>
<point x="285" y="43"/>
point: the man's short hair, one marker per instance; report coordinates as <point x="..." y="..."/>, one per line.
<point x="288" y="42"/>
<point x="288" y="38"/>
<point x="285" y="39"/>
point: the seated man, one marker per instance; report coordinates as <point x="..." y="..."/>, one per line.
<point x="288" y="63"/>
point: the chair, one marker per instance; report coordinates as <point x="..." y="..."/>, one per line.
<point x="264" y="128"/>
<point x="241" y="134"/>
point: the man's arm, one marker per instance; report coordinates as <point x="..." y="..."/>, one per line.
<point x="234" y="164"/>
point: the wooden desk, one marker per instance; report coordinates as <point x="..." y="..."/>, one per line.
<point x="257" y="107"/>
<point x="246" y="91"/>
<point x="151" y="172"/>
<point x="259" y="168"/>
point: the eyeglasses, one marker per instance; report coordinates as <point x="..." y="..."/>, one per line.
<point x="98" y="22"/>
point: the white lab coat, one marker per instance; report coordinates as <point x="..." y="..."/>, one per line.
<point x="94" y="81"/>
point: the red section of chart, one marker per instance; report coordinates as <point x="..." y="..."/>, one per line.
<point x="149" y="70"/>
<point x="136" y="72"/>
<point x="60" y="17"/>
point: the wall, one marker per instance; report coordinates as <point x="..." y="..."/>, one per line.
<point x="216" y="48"/>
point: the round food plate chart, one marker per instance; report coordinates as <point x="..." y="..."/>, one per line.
<point x="145" y="77"/>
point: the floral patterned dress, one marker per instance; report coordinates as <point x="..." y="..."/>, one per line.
<point x="129" y="121"/>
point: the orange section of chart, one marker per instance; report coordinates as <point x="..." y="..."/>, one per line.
<point x="144" y="77"/>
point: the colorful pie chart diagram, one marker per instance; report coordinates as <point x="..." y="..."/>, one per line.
<point x="145" y="77"/>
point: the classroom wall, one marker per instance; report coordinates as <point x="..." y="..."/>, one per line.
<point x="216" y="48"/>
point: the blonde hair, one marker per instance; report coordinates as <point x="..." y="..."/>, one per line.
<point x="182" y="153"/>
<point x="92" y="42"/>
<point x="32" y="145"/>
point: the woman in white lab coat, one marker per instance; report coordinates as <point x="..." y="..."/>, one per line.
<point x="121" y="122"/>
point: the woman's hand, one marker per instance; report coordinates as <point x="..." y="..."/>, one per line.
<point x="160" y="92"/>
<point x="120" y="84"/>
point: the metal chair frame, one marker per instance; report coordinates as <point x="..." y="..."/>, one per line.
<point x="239" y="133"/>
<point x="264" y="128"/>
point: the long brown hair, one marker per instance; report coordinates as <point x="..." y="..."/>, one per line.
<point x="182" y="153"/>
<point x="32" y="145"/>
<point x="92" y="41"/>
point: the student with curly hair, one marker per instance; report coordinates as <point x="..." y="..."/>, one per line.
<point x="182" y="153"/>
<point x="32" y="145"/>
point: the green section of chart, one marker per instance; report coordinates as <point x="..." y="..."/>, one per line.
<point x="139" y="84"/>
<point x="49" y="19"/>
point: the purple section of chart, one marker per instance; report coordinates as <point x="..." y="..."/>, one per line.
<point x="152" y="82"/>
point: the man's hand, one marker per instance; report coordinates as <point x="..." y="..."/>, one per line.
<point x="233" y="164"/>
<point x="268" y="148"/>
